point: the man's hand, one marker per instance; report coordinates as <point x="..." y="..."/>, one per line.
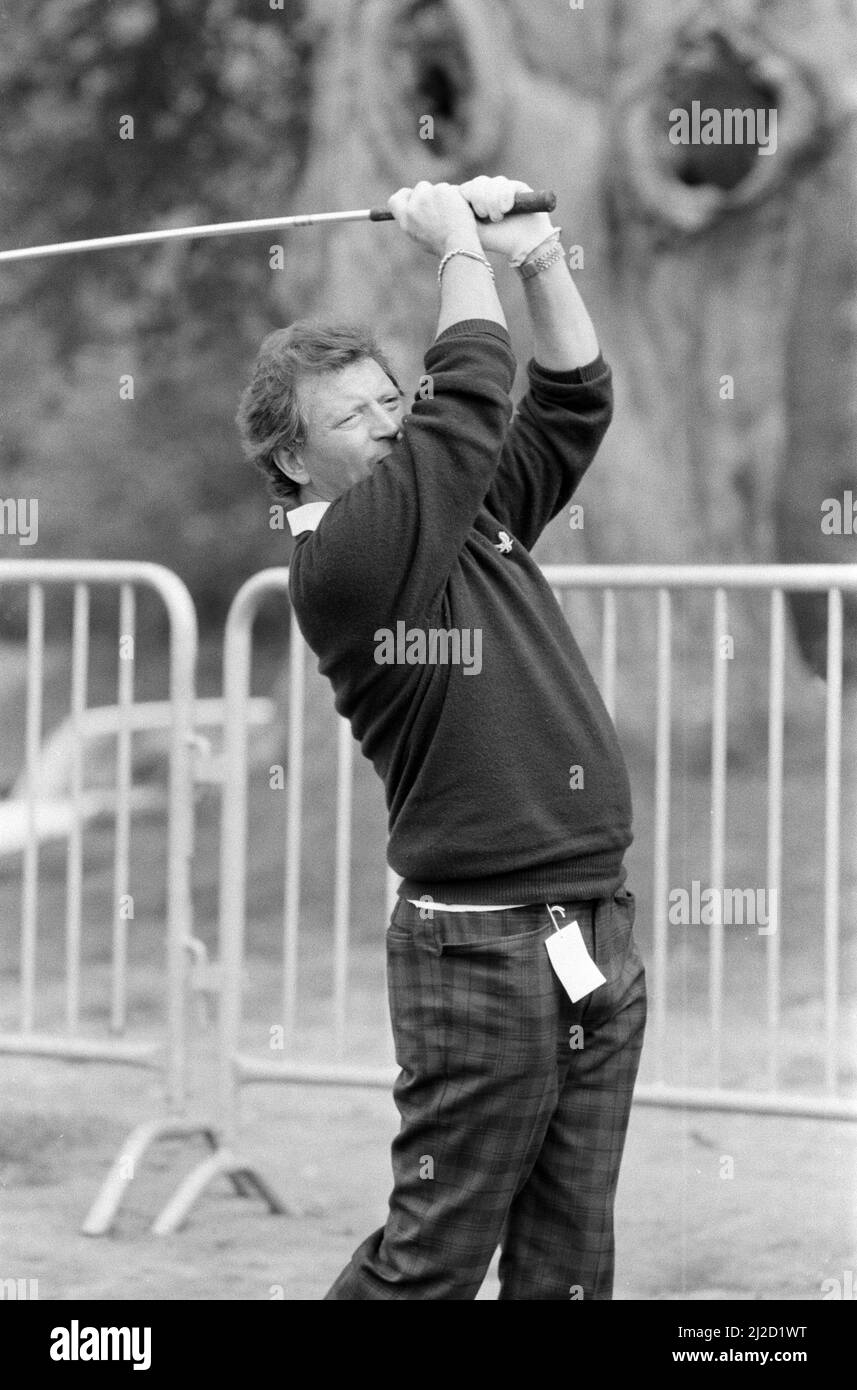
<point x="492" y="198"/>
<point x="441" y="219"/>
<point x="436" y="215"/>
<point x="442" y="215"/>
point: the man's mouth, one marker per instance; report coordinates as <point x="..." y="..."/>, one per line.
<point x="381" y="457"/>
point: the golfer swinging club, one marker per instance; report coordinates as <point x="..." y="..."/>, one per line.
<point x="517" y="995"/>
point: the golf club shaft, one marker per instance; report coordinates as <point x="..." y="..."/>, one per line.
<point x="524" y="202"/>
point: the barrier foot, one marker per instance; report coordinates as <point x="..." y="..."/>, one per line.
<point x="245" y="1181"/>
<point x="101" y="1215"/>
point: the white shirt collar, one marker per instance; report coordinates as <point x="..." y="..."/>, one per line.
<point x="307" y="517"/>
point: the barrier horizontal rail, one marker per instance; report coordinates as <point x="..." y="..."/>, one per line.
<point x="793" y="578"/>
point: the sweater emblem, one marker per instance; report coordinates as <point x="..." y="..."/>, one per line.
<point x="505" y="542"/>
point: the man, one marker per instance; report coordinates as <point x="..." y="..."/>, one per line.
<point x="508" y="797"/>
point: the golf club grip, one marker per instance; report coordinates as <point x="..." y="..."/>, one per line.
<point x="541" y="200"/>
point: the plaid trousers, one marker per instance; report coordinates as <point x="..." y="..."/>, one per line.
<point x="514" y="1105"/>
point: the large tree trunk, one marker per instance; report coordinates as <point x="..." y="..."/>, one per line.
<point x="720" y="281"/>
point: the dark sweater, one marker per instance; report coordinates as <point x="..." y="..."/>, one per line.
<point x="476" y="764"/>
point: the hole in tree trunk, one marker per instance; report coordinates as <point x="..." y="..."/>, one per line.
<point x="718" y="79"/>
<point x="436" y="74"/>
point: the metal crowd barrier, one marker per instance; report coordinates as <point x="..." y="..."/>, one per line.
<point x="238" y="1064"/>
<point x="241" y="1066"/>
<point x="37" y="811"/>
<point x="71" y="1043"/>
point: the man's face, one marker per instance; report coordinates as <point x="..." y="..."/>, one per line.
<point x="354" y="417"/>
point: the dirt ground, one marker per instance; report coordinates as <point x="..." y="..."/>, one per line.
<point x="776" y="1230"/>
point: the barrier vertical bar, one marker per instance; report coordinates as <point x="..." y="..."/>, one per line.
<point x="342" y="889"/>
<point x="74" y="858"/>
<point x="237" y="647"/>
<point x="776" y="700"/>
<point x="184" y="643"/>
<point x="122" y="844"/>
<point x="832" y="790"/>
<point x="29" y="898"/>
<point x="718" y="826"/>
<point x="391" y="895"/>
<point x="608" y="652"/>
<point x="662" y="827"/>
<point x="294" y="813"/>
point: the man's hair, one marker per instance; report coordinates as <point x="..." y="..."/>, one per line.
<point x="269" y="416"/>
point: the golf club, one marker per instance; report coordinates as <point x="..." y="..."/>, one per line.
<point x="542" y="201"/>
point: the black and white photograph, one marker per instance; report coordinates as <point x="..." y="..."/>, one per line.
<point x="428" y="664"/>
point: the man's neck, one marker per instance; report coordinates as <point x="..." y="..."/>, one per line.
<point x="307" y="494"/>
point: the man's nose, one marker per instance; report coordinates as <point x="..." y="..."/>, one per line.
<point x="383" y="423"/>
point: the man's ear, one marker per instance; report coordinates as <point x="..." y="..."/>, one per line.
<point x="290" y="464"/>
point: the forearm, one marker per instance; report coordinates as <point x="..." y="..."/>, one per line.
<point x="563" y="333"/>
<point x="467" y="289"/>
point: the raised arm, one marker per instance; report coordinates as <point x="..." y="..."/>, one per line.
<point x="385" y="547"/>
<point x="566" y="411"/>
<point x="549" y="446"/>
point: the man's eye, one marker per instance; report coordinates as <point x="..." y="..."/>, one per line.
<point x="348" y="418"/>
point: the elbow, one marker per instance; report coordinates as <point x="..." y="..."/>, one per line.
<point x="602" y="420"/>
<point x="607" y="402"/>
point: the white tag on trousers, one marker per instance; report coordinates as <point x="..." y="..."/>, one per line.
<point x="573" y="965"/>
